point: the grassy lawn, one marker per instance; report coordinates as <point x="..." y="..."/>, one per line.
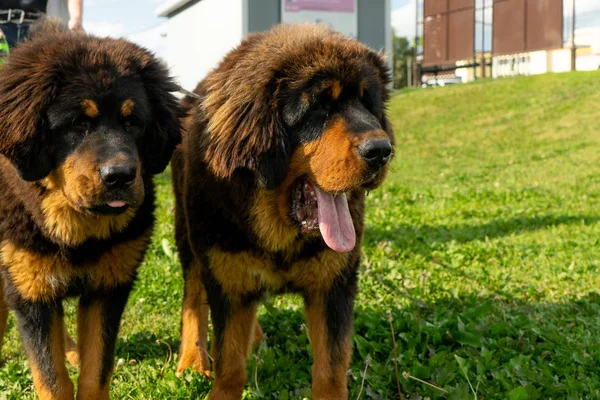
<point x="482" y="248"/>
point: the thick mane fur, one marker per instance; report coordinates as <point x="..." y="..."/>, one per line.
<point x="242" y="103"/>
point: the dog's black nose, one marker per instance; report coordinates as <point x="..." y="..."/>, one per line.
<point x="118" y="176"/>
<point x="375" y="152"/>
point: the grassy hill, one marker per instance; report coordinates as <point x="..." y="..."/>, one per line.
<point x="482" y="249"/>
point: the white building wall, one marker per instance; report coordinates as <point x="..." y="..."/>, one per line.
<point x="200" y="36"/>
<point x="588" y="62"/>
<point x="511" y="65"/>
<point x="561" y="60"/>
<point x="541" y="62"/>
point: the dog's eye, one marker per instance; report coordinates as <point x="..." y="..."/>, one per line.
<point x="321" y="105"/>
<point x="372" y="102"/>
<point x="131" y="122"/>
<point x="82" y="124"/>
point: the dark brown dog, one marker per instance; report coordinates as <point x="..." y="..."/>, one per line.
<point x="270" y="184"/>
<point x="84" y="125"/>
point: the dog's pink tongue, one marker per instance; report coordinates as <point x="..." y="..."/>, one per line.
<point x="116" y="204"/>
<point x="335" y="222"/>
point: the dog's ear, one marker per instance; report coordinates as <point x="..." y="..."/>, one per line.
<point x="27" y="88"/>
<point x="244" y="129"/>
<point x="163" y="134"/>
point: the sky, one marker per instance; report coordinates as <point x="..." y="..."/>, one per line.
<point x="403" y="17"/>
<point x="136" y="19"/>
<point x="133" y="19"/>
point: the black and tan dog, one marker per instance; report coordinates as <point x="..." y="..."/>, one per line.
<point x="270" y="184"/>
<point x="84" y="125"/>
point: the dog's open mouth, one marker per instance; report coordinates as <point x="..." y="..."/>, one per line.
<point x="313" y="209"/>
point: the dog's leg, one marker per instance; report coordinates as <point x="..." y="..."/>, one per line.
<point x="329" y="317"/>
<point x="259" y="334"/>
<point x="42" y="332"/>
<point x="98" y="321"/>
<point x="3" y="316"/>
<point x="194" y="324"/>
<point x="233" y="330"/>
<point x="71" y="350"/>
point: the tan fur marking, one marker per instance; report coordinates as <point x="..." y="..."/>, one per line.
<point x="118" y="264"/>
<point x="127" y="108"/>
<point x="230" y="363"/>
<point x="305" y="99"/>
<point x="336" y="90"/>
<point x="270" y="221"/>
<point x="243" y="272"/>
<point x="318" y="273"/>
<point x="194" y="330"/>
<point x="39" y="277"/>
<point x="90" y="108"/>
<point x="3" y="316"/>
<point x="333" y="161"/>
<point x="63" y="389"/>
<point x="67" y="225"/>
<point x="363" y="86"/>
<point x="328" y="381"/>
<point x="91" y="349"/>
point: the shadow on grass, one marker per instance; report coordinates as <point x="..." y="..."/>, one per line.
<point x="411" y="235"/>
<point x="503" y="347"/>
<point x="506" y="348"/>
<point x="144" y="346"/>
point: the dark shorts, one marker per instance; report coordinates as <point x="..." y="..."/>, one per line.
<point x="15" y="32"/>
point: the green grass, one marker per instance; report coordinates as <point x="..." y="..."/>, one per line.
<point x="483" y="245"/>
